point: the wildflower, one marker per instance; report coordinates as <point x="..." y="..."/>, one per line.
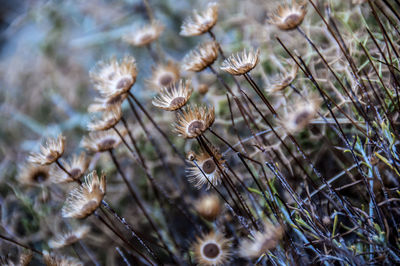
<point x="66" y="239"/>
<point x="77" y="166"/>
<point x="201" y="57"/>
<point x="102" y="141"/>
<point x="288" y="17"/>
<point x="209" y="207"/>
<point x="33" y="174"/>
<point x="49" y="152"/>
<point x="164" y="75"/>
<point x="209" y="171"/>
<point x="108" y="120"/>
<point x="241" y="63"/>
<point x="84" y="200"/>
<point x="144" y="35"/>
<point x="200" y="23"/>
<point x="263" y="241"/>
<point x="286" y="81"/>
<point x="193" y="121"/>
<point x="102" y="104"/>
<point x="303" y="112"/>
<point x="54" y="260"/>
<point x="113" y="78"/>
<point x="173" y="98"/>
<point x="212" y="249"/>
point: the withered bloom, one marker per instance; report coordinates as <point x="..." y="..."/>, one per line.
<point x="55" y="260"/>
<point x="193" y="121"/>
<point x="209" y="207"/>
<point x="212" y="249"/>
<point x="85" y="199"/>
<point x="200" y="23"/>
<point x="109" y="119"/>
<point x="50" y="151"/>
<point x="288" y="17"/>
<point x="77" y="166"/>
<point x="175" y="97"/>
<point x="241" y="63"/>
<point x="102" y="140"/>
<point x="201" y="57"/>
<point x="68" y="238"/>
<point x="287" y="79"/>
<point x="34" y="174"/>
<point x="145" y="35"/>
<point x="107" y="103"/>
<point x="163" y="76"/>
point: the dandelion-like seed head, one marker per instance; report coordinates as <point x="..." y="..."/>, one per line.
<point x="77" y="166"/>
<point x="241" y="63"/>
<point x="174" y="97"/>
<point x="109" y="119"/>
<point x="212" y="249"/>
<point x="101" y="141"/>
<point x="209" y="207"/>
<point x="288" y="17"/>
<point x="84" y="200"/>
<point x="201" y="57"/>
<point x="145" y="35"/>
<point x="113" y="78"/>
<point x="50" y="151"/>
<point x="164" y="75"/>
<point x="200" y="23"/>
<point x="193" y="121"/>
<point x="68" y="238"/>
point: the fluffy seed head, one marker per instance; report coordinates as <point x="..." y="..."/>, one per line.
<point x="212" y="249"/>
<point x="209" y="207"/>
<point x="164" y="75"/>
<point x="241" y="63"/>
<point x="109" y="119"/>
<point x="145" y="35"/>
<point x="201" y="57"/>
<point x="101" y="141"/>
<point x="84" y="200"/>
<point x="193" y="121"/>
<point x="68" y="238"/>
<point x="50" y="151"/>
<point x="288" y="17"/>
<point x="200" y="23"/>
<point x="77" y="166"/>
<point x="174" y="97"/>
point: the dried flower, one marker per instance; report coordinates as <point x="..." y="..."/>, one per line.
<point x="24" y="259"/>
<point x="200" y="23"/>
<point x="193" y="121"/>
<point x="77" y="166"/>
<point x="201" y="57"/>
<point x="241" y="63"/>
<point x="212" y="249"/>
<point x="208" y="167"/>
<point x="106" y="103"/>
<point x="66" y="239"/>
<point x="175" y="97"/>
<point x="33" y="174"/>
<point x="109" y="119"/>
<point x="144" y="35"/>
<point x="102" y="140"/>
<point x="163" y="76"/>
<point x="49" y="152"/>
<point x="113" y="78"/>
<point x="263" y="241"/>
<point x="85" y="199"/>
<point x="303" y="112"/>
<point x="202" y="88"/>
<point x="286" y="80"/>
<point x="209" y="207"/>
<point x="288" y="17"/>
<point x="54" y="260"/>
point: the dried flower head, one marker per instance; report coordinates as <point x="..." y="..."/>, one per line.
<point x="288" y="17"/>
<point x="303" y="112"/>
<point x="109" y="119"/>
<point x="113" y="78"/>
<point x="102" y="140"/>
<point x="202" y="22"/>
<point x="175" y="97"/>
<point x="106" y="103"/>
<point x="201" y="57"/>
<point x="287" y="79"/>
<point x="55" y="260"/>
<point x="163" y="76"/>
<point x="209" y="207"/>
<point x="24" y="259"/>
<point x="202" y="88"/>
<point x="144" y="35"/>
<point x="241" y="63"/>
<point x="209" y="170"/>
<point x="263" y="241"/>
<point x="68" y="238"/>
<point x="193" y="121"/>
<point x="77" y="166"/>
<point x="33" y="174"/>
<point x="50" y="151"/>
<point x="212" y="249"/>
<point x="85" y="199"/>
